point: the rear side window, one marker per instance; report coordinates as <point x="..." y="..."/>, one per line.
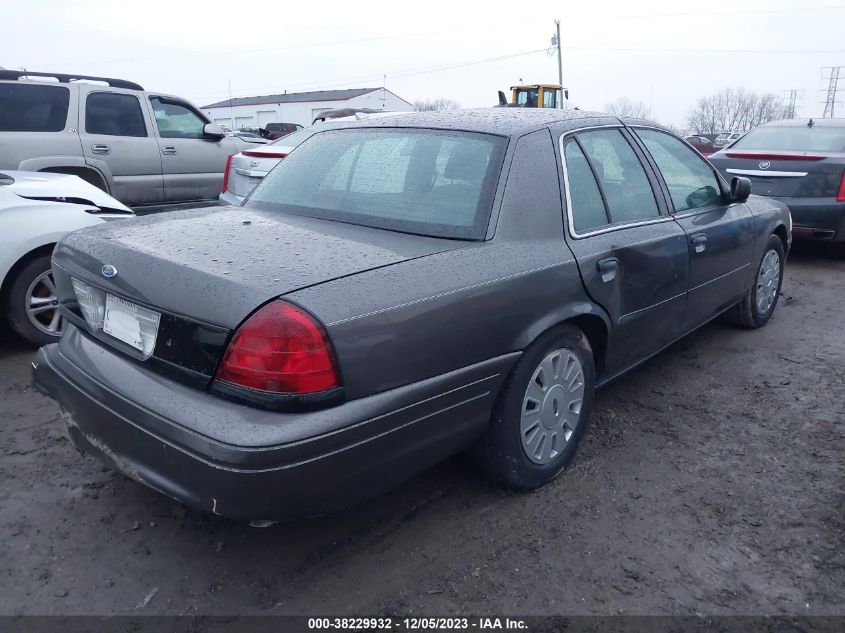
<point x="627" y="190"/>
<point x="114" y="114"/>
<point x="585" y="200"/>
<point x="691" y="182"/>
<point x="30" y="108"/>
<point x="428" y="182"/>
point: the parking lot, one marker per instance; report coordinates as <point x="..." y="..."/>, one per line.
<point x="711" y="481"/>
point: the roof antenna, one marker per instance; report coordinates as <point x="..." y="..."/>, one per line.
<point x="810" y="124"/>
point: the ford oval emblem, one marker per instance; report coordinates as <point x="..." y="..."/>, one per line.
<point x="109" y="271"/>
<point x="764" y="164"/>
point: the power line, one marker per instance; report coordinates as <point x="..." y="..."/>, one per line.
<point x="687" y="14"/>
<point x="411" y="73"/>
<point x="705" y="50"/>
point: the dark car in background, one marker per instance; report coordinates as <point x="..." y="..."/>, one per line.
<point x="272" y="131"/>
<point x="396" y="291"/>
<point x="703" y="144"/>
<point x="800" y="162"/>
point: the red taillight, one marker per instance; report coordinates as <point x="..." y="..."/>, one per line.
<point x="279" y="349"/>
<point x="840" y="197"/>
<point x="255" y="154"/>
<point x="226" y="173"/>
<point x="773" y="156"/>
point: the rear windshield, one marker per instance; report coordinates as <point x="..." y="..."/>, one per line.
<point x="428" y="182"/>
<point x="29" y="108"/>
<point x="782" y="137"/>
<point x="294" y="138"/>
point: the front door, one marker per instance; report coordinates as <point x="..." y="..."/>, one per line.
<point x="632" y="256"/>
<point x="192" y="163"/>
<point x="117" y="138"/>
<point x="719" y="232"/>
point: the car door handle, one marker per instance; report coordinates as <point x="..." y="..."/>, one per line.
<point x="101" y="149"/>
<point x="168" y="150"/>
<point x="699" y="242"/>
<point x="608" y="267"/>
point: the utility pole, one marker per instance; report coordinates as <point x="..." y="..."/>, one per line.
<point x="559" y="63"/>
<point x="832" y="88"/>
<point x="231" y="109"/>
<point x="790" y="100"/>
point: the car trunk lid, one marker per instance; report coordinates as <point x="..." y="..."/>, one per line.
<point x="784" y="174"/>
<point x="217" y="265"/>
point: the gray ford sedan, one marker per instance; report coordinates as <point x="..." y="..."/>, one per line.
<point x="395" y="292"/>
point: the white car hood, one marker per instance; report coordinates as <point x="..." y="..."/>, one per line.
<point x="60" y="188"/>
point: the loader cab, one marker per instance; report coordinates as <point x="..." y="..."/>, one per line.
<point x="536" y="96"/>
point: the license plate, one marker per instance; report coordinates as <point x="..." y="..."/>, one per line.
<point x="131" y="323"/>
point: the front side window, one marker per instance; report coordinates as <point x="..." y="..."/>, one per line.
<point x="428" y="182"/>
<point x="30" y="108"/>
<point x="114" y="114"/>
<point x="623" y="180"/>
<point x="175" y="120"/>
<point x="527" y="98"/>
<point x="689" y="178"/>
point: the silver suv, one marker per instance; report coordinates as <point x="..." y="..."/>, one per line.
<point x="143" y="148"/>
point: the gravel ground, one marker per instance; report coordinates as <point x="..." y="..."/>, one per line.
<point x="710" y="482"/>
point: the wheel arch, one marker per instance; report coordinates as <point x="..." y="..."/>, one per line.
<point x="781" y="232"/>
<point x="89" y="174"/>
<point x="590" y="318"/>
<point x="23" y="260"/>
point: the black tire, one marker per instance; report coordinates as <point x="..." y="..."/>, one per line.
<point x="747" y="313"/>
<point x="18" y="300"/>
<point x="499" y="452"/>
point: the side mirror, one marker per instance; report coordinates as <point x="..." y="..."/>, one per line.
<point x="211" y="130"/>
<point x="740" y="189"/>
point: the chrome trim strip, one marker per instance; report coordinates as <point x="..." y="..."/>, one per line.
<point x="734" y="271"/>
<point x="764" y="172"/>
<point x="629" y="315"/>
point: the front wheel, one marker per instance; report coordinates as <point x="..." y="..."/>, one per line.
<point x="759" y="303"/>
<point x="541" y="413"/>
<point x="33" y="307"/>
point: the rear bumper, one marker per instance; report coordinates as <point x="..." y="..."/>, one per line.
<point x="169" y="441"/>
<point x="817" y="218"/>
<point x="227" y="197"/>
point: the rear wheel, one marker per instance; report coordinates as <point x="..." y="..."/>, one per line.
<point x="759" y="303"/>
<point x="33" y="306"/>
<point x="541" y="413"/>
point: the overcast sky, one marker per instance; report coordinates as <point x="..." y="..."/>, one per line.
<point x="665" y="53"/>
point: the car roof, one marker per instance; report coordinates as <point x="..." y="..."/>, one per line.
<point x="495" y="120"/>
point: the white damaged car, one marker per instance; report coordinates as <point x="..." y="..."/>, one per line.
<point x="36" y="210"/>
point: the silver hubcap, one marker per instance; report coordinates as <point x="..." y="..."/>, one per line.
<point x="43" y="305"/>
<point x="768" y="280"/>
<point x="551" y="408"/>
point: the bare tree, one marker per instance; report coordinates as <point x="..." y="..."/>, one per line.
<point x="441" y="103"/>
<point x="623" y="106"/>
<point x="734" y="110"/>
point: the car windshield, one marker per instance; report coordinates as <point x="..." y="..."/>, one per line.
<point x="817" y="138"/>
<point x="428" y="182"/>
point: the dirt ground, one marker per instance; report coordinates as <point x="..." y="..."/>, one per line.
<point x="710" y="482"/>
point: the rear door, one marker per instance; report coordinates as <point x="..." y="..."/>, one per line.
<point x="632" y="256"/>
<point x="720" y="233"/>
<point x="117" y="138"/>
<point x="192" y="164"/>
